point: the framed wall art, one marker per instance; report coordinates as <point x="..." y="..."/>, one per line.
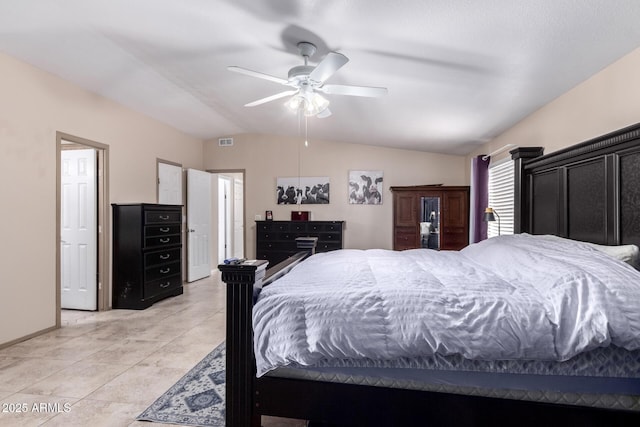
<point x="365" y="187"/>
<point x="303" y="190"/>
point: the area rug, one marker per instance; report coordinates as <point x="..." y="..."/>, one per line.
<point x="197" y="399"/>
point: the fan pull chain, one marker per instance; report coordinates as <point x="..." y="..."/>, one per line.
<point x="299" y="132"/>
<point x="306" y="140"/>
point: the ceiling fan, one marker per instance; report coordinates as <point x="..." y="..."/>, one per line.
<point x="308" y="82"/>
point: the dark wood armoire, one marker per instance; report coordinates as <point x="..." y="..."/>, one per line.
<point x="430" y="216"/>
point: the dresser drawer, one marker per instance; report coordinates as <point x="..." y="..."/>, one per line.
<point x="161" y="230"/>
<point x="275" y="235"/>
<point x="273" y="226"/>
<point x="332" y="227"/>
<point x="157" y="286"/>
<point x="162" y="217"/>
<point x="299" y="227"/>
<point x="172" y="240"/>
<point x="161" y="257"/>
<point x="276" y="245"/>
<point x="161" y="271"/>
<point x="328" y="246"/>
<point x="330" y="237"/>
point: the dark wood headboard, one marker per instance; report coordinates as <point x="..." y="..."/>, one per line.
<point x="588" y="192"/>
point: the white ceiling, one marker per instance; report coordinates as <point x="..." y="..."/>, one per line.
<point x="459" y="72"/>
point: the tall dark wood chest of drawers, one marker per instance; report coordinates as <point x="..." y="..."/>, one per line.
<point x="147" y="254"/>
<point x="276" y="240"/>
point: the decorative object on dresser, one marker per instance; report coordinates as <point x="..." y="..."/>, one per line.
<point x="430" y="216"/>
<point x="147" y="254"/>
<point x="300" y="215"/>
<point x="276" y="240"/>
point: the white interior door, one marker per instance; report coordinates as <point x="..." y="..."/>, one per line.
<point x="198" y="224"/>
<point x="238" y="219"/>
<point x="169" y="184"/>
<point x="78" y="230"/>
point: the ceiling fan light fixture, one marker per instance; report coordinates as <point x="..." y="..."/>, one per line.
<point x="311" y="104"/>
<point x="295" y="102"/>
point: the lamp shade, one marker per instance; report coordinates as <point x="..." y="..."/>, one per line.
<point x="489" y="215"/>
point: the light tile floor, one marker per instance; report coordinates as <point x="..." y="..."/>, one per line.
<point x="105" y="368"/>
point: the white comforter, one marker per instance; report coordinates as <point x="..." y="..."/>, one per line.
<point x="511" y="297"/>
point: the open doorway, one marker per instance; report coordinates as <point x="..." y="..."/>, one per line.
<point x="81" y="225"/>
<point x="229" y="198"/>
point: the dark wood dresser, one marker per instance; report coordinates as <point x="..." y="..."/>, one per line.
<point x="147" y="254"/>
<point x="276" y="240"/>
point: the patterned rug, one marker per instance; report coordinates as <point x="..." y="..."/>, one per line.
<point x="197" y="399"/>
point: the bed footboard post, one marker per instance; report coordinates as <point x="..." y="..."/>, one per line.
<point x="240" y="361"/>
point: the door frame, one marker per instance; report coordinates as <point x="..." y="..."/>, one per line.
<point x="103" y="225"/>
<point x="244" y="203"/>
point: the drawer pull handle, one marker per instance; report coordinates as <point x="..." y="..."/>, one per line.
<point x="165" y="271"/>
<point x="165" y="229"/>
<point x="166" y="256"/>
<point x="167" y="240"/>
<point x="165" y="285"/>
<point x="164" y="217"/>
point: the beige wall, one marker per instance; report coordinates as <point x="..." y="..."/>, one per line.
<point x="33" y="106"/>
<point x="604" y="103"/>
<point x="266" y="157"/>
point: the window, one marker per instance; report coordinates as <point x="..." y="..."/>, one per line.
<point x="501" y="183"/>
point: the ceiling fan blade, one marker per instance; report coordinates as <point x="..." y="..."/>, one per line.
<point x="329" y="65"/>
<point x="271" y="98"/>
<point x="257" y="74"/>
<point x="324" y="113"/>
<point x="372" y="92"/>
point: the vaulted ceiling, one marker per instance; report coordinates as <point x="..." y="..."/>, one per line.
<point x="458" y="73"/>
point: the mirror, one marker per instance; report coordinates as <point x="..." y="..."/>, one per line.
<point x="430" y="223"/>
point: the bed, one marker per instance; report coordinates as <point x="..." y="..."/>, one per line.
<point x="586" y="193"/>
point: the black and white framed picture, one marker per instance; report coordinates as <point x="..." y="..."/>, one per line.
<point x="306" y="190"/>
<point x="365" y="187"/>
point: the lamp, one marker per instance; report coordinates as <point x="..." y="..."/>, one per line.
<point x="491" y="215"/>
<point x="308" y="102"/>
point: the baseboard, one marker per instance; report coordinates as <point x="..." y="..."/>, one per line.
<point x="28" y="337"/>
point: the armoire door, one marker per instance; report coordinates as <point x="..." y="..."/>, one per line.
<point x="455" y="220"/>
<point x="406" y="220"/>
<point x="405" y="210"/>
